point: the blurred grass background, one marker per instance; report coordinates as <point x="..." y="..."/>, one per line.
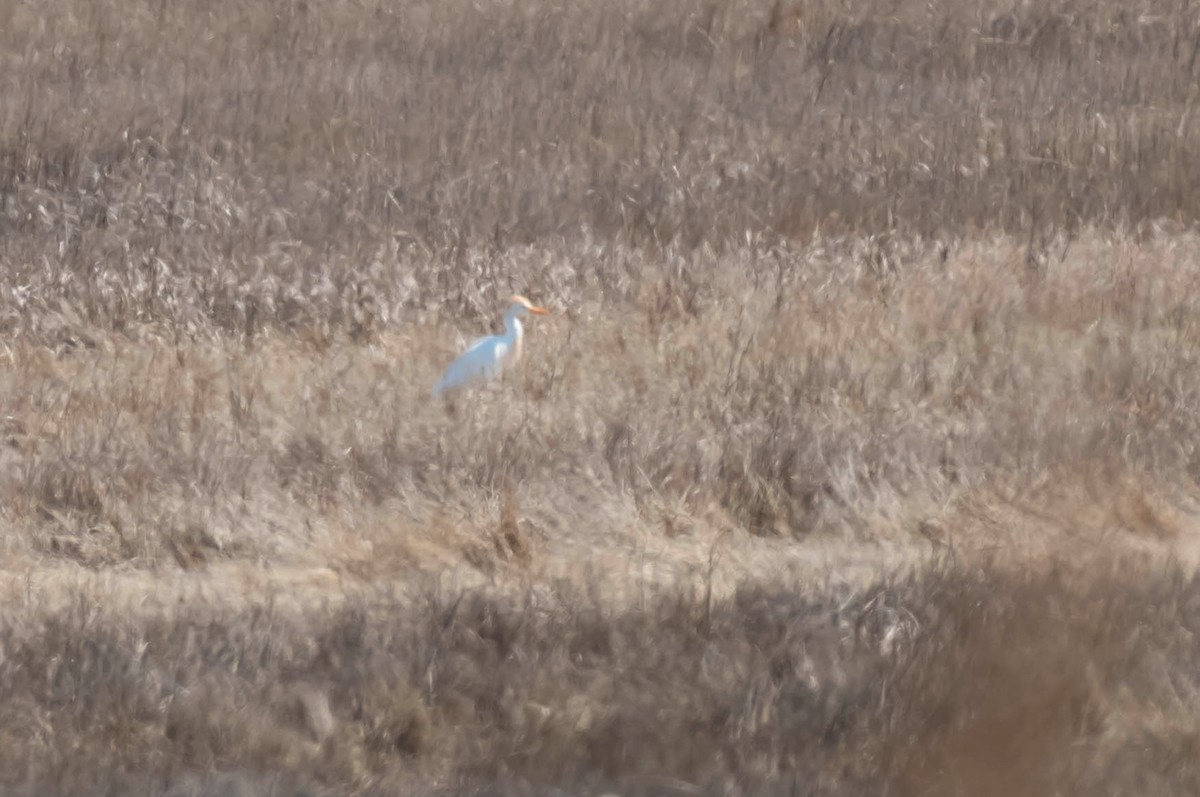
<point x="835" y="286"/>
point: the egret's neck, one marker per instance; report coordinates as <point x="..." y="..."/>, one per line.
<point x="513" y="330"/>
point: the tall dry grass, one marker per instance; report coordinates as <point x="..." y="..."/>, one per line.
<point x="834" y="285"/>
<point x="322" y="135"/>
<point x="958" y="681"/>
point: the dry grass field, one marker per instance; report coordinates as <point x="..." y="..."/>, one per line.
<point x="860" y="454"/>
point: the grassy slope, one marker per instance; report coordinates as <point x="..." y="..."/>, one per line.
<point x="834" y="290"/>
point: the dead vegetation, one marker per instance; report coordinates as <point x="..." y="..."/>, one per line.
<point x="835" y="287"/>
<point x="978" y="680"/>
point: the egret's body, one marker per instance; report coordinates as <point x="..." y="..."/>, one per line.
<point x="487" y="358"/>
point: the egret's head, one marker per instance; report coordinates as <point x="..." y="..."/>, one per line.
<point x="522" y="307"/>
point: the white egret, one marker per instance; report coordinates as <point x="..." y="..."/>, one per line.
<point x="487" y="358"/>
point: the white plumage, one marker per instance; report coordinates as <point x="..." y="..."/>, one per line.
<point x="487" y="358"/>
